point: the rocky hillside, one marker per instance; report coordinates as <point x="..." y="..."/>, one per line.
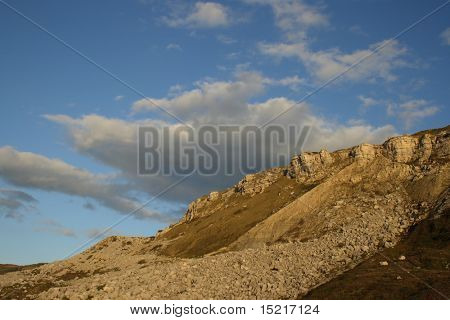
<point x="275" y="234"/>
<point x="418" y="267"/>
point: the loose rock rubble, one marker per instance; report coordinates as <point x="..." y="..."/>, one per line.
<point x="362" y="199"/>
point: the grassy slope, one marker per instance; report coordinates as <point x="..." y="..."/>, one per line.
<point x="210" y="233"/>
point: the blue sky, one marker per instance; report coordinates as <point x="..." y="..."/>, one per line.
<point x="67" y="128"/>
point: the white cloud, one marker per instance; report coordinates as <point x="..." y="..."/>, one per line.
<point x="215" y="101"/>
<point x="211" y="101"/>
<point x="113" y="141"/>
<point x="173" y="46"/>
<point x="408" y="112"/>
<point x="225" y="39"/>
<point x="202" y="15"/>
<point x="175" y="90"/>
<point x="292" y="82"/>
<point x="368" y="101"/>
<point x="445" y="36"/>
<point x="414" y="110"/>
<point x="118" y="98"/>
<point x="294" y="17"/>
<point x="414" y="104"/>
<point x="120" y="152"/>
<point x="325" y="64"/>
<point x="229" y="102"/>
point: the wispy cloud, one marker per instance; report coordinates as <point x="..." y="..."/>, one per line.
<point x="368" y="101"/>
<point x="52" y="226"/>
<point x="357" y="29"/>
<point x="173" y="46"/>
<point x="408" y="112"/>
<point x="118" y="98"/>
<point x="15" y="203"/>
<point x="325" y="64"/>
<point x="295" y="17"/>
<point x="414" y="110"/>
<point x="445" y="36"/>
<point x="226" y="39"/>
<point x="201" y="15"/>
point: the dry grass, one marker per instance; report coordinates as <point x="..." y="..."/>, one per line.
<point x="216" y="231"/>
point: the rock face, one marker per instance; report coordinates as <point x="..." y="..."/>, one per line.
<point x="402" y="149"/>
<point x="274" y="235"/>
<point x="195" y="207"/>
<point x="309" y="163"/>
<point x="418" y="149"/>
<point x="365" y="151"/>
<point x="253" y="184"/>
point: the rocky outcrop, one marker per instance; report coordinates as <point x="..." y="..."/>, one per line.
<point x="411" y="149"/>
<point x="250" y="185"/>
<point x="195" y="207"/>
<point x="365" y="151"/>
<point x="277" y="237"/>
<point x="441" y="146"/>
<point x="309" y="163"/>
<point x="253" y="184"/>
<point x="402" y="149"/>
<point x="313" y="167"/>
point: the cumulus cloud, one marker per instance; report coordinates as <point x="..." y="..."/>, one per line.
<point x="326" y="64"/>
<point x="15" y="203"/>
<point x="121" y="153"/>
<point x="212" y="101"/>
<point x="113" y="141"/>
<point x="26" y="169"/>
<point x="202" y="15"/>
<point x="292" y="82"/>
<point x="368" y="101"/>
<point x="294" y="17"/>
<point x="445" y="36"/>
<point x="218" y="101"/>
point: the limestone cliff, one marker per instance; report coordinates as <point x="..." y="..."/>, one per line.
<point x="275" y="234"/>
